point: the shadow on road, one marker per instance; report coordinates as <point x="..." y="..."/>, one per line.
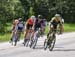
<point x="39" y="47"/>
<point x="64" y="50"/>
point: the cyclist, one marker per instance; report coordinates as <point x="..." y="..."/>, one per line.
<point x="43" y="25"/>
<point x="19" y="28"/>
<point x="39" y="23"/>
<point x="29" y="25"/>
<point x="55" y="21"/>
<point x="15" y="22"/>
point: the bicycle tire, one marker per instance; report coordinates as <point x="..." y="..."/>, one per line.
<point x="34" y="43"/>
<point x="52" y="44"/>
<point x="31" y="43"/>
<point x="16" y="39"/>
<point x="45" y="44"/>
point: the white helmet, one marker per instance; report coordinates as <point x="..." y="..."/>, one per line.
<point x="57" y="15"/>
<point x="33" y="17"/>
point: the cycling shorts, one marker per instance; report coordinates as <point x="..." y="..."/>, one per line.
<point x="29" y="26"/>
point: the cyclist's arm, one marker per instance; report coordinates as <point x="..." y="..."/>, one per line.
<point x="33" y="25"/>
<point x="61" y="25"/>
<point x="15" y="29"/>
<point x="60" y="19"/>
<point x="25" y="25"/>
<point x="51" y="21"/>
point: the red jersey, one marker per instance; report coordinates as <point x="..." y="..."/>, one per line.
<point x="30" y="21"/>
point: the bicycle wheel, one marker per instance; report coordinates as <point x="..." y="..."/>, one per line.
<point x="31" y="43"/>
<point x="25" y="41"/>
<point x="45" y="44"/>
<point x="34" y="43"/>
<point x="12" y="39"/>
<point x="17" y="37"/>
<point x="15" y="40"/>
<point x="52" y="43"/>
<point x="12" y="42"/>
<point x="35" y="39"/>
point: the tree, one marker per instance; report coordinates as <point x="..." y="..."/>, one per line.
<point x="9" y="10"/>
<point x="26" y="6"/>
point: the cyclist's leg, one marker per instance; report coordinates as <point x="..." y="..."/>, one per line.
<point x="25" y="34"/>
<point x="61" y="28"/>
<point x="19" y="35"/>
<point x="43" y="31"/>
<point x="50" y="30"/>
<point x="27" y="28"/>
<point x="16" y="35"/>
<point x="27" y="31"/>
<point x="12" y="35"/>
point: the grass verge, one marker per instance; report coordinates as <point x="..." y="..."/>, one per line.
<point x="7" y="36"/>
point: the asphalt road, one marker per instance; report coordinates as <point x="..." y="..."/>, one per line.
<point x="64" y="47"/>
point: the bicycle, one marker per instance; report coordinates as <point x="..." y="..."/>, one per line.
<point x="34" y="39"/>
<point x="50" y="41"/>
<point x="16" y="37"/>
<point x="27" y="39"/>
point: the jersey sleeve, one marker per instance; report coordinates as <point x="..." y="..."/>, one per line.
<point x="52" y="20"/>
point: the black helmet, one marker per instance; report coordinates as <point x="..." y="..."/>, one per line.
<point x="20" y="19"/>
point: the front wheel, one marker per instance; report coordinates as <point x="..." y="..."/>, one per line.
<point x="16" y="39"/>
<point x="52" y="43"/>
<point x="34" y="43"/>
<point x="45" y="44"/>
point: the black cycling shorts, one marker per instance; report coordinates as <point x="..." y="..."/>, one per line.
<point x="29" y="26"/>
<point x="37" y="26"/>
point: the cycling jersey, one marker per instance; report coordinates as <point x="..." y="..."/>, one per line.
<point x="55" y="23"/>
<point x="38" y="24"/>
<point x="29" y="23"/>
<point x="14" y="24"/>
<point x="20" y="26"/>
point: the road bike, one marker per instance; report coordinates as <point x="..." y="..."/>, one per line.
<point x="16" y="37"/>
<point x="50" y="41"/>
<point x="27" y="38"/>
<point x="34" y="39"/>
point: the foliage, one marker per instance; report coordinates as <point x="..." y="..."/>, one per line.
<point x="9" y="10"/>
<point x="12" y="9"/>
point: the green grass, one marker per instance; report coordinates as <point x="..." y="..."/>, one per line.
<point x="7" y="36"/>
<point x="69" y="27"/>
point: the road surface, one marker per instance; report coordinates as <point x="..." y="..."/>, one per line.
<point x="64" y="47"/>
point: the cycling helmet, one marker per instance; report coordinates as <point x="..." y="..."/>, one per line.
<point x="57" y="15"/>
<point x="40" y="17"/>
<point x="33" y="17"/>
<point x="20" y="19"/>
